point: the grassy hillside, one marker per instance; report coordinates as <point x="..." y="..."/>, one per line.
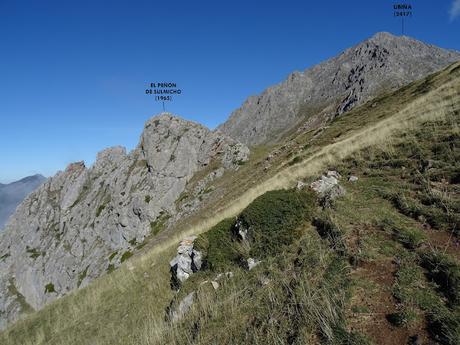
<point x="380" y="266"/>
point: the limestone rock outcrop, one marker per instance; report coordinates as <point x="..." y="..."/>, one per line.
<point x="307" y="99"/>
<point x="85" y="221"/>
<point x="187" y="261"/>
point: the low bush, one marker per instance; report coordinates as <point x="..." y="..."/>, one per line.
<point x="274" y="218"/>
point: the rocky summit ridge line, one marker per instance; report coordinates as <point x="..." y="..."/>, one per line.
<point x="85" y="221"/>
<point x="309" y="98"/>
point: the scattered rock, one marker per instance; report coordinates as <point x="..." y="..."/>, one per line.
<point x="264" y="281"/>
<point x="330" y="195"/>
<point x="324" y="184"/>
<point x="328" y="188"/>
<point x="252" y="263"/>
<point x="187" y="261"/>
<point x="183" y="307"/>
<point x="300" y="185"/>
<point x="215" y="285"/>
<point x="353" y="178"/>
<point x="332" y="173"/>
<point x="242" y="231"/>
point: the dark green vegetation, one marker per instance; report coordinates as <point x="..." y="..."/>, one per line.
<point x="126" y="255"/>
<point x="82" y="276"/>
<point x="272" y="221"/>
<point x="370" y="270"/>
<point x="13" y="291"/>
<point x="380" y="267"/>
<point x="296" y="295"/>
<point x="49" y="288"/>
<point x="33" y="252"/>
<point x="159" y="224"/>
<point x="415" y="187"/>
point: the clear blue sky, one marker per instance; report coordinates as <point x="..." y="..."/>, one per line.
<point x="73" y="73"/>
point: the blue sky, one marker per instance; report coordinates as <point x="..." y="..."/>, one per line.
<point x="73" y="73"/>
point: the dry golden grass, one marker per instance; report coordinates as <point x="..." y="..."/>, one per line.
<point x="432" y="106"/>
<point x="127" y="306"/>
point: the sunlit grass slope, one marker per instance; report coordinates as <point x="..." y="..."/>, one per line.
<point x="399" y="219"/>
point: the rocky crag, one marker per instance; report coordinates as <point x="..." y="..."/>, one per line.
<point x="84" y="221"/>
<point x="309" y="98"/>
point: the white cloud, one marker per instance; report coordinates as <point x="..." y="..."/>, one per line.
<point x="455" y="9"/>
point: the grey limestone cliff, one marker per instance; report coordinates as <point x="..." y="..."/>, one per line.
<point x="381" y="63"/>
<point x="85" y="221"/>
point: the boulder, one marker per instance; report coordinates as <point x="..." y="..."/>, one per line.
<point x="251" y="262"/>
<point x="187" y="261"/>
<point x="324" y="184"/>
<point x="328" y="188"/>
<point x="353" y="178"/>
<point x="332" y="173"/>
<point x="215" y="285"/>
<point x="183" y="307"/>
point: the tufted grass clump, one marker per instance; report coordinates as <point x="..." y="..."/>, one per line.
<point x="445" y="272"/>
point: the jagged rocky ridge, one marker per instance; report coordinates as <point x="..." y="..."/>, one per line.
<point x="309" y="98"/>
<point x="85" y="221"/>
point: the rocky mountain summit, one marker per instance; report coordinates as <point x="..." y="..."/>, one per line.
<point x="85" y="221"/>
<point x="308" y="98"/>
<point x="12" y="194"/>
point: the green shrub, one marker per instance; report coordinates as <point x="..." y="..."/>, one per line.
<point x="49" y="288"/>
<point x="273" y="219"/>
<point x="401" y="318"/>
<point x="220" y="247"/>
<point x="110" y="268"/>
<point x="112" y="256"/>
<point x="34" y="253"/>
<point x="126" y="255"/>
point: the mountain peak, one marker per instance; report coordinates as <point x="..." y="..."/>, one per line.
<point x="383" y="36"/>
<point x="381" y="63"/>
<point x="32" y="178"/>
<point x="168" y="119"/>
